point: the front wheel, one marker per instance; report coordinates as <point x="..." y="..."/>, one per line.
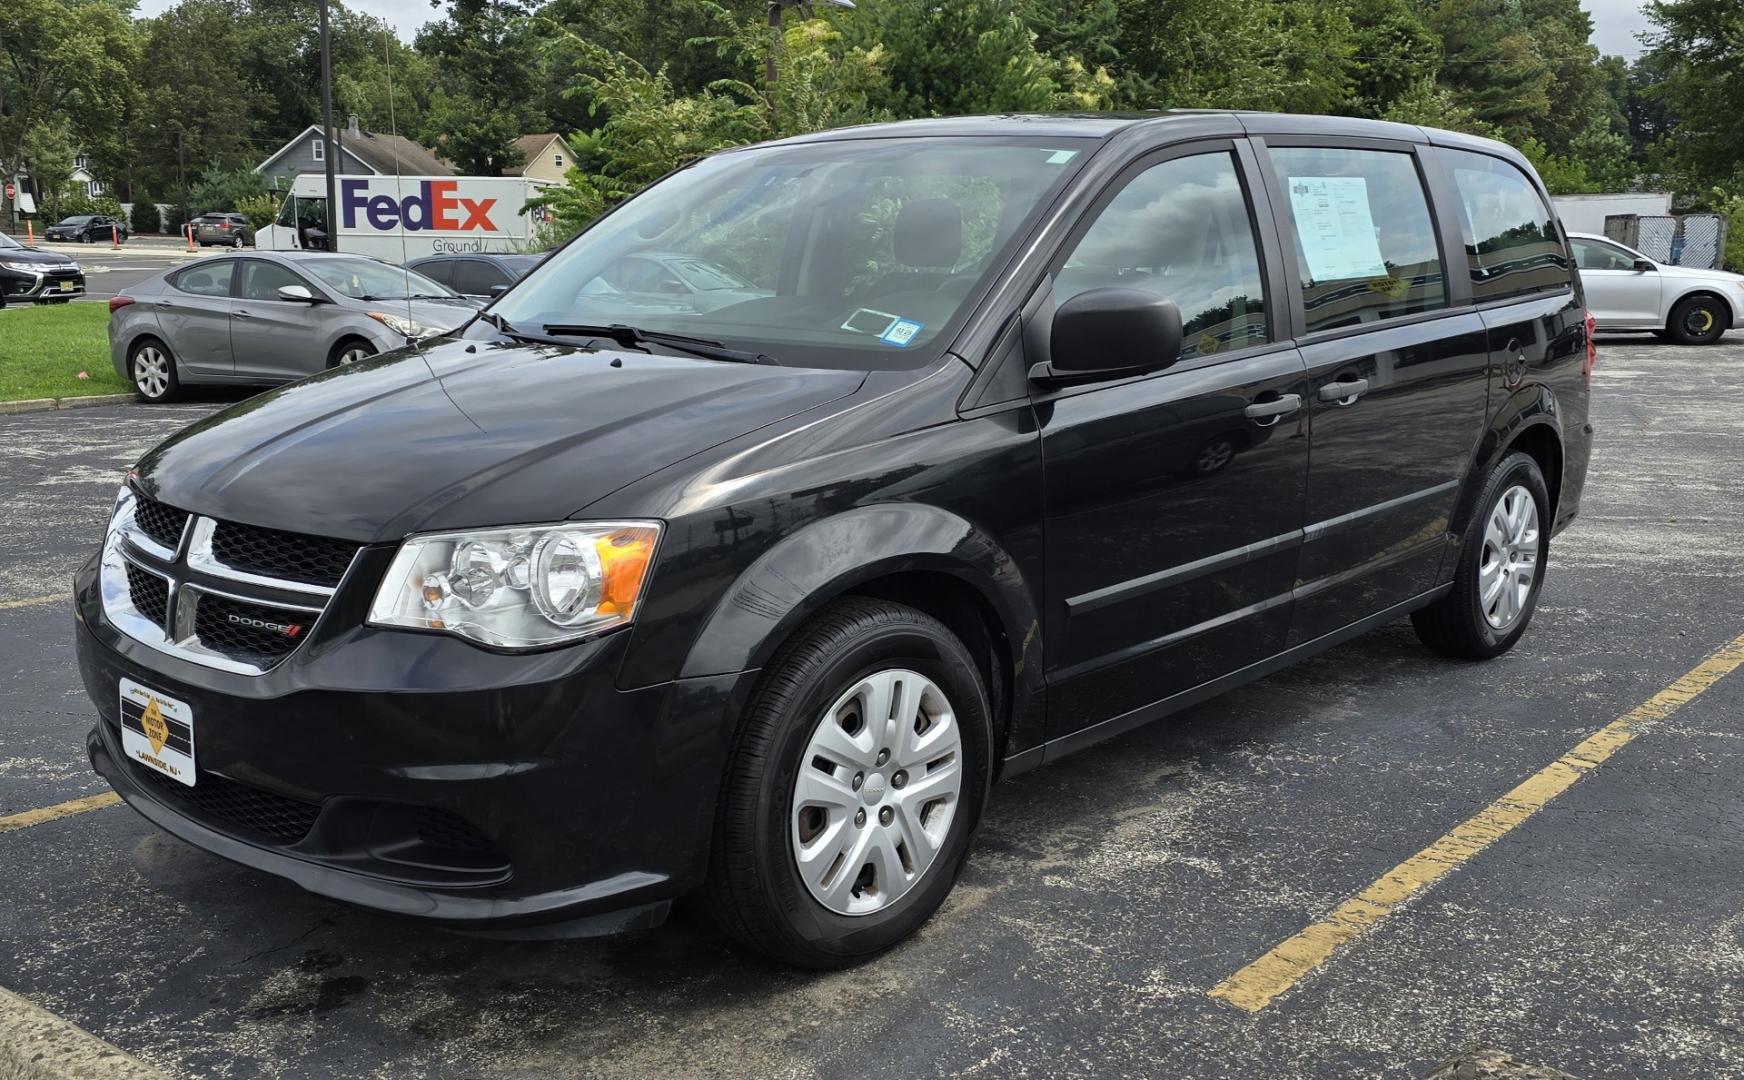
<point x="854" y="787"/>
<point x="350" y="352"/>
<point x="1699" y="320"/>
<point x="1500" y="570"/>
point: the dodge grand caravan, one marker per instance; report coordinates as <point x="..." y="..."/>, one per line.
<point x="1025" y="431"/>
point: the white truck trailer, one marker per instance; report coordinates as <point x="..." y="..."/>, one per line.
<point x="399" y="218"/>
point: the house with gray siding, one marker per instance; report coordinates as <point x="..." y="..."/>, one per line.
<point x="360" y="153"/>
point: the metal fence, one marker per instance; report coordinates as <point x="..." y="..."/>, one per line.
<point x="1697" y="240"/>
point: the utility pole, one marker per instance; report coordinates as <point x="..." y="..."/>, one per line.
<point x="182" y="173"/>
<point x="327" y="133"/>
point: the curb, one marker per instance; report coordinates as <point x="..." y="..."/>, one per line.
<point x="29" y="405"/>
<point x="35" y="1044"/>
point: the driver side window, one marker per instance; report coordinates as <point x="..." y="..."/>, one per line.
<point x="1590" y="255"/>
<point x="1179" y="229"/>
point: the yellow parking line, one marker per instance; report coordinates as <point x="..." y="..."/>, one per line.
<point x="1254" y="986"/>
<point x="59" y="810"/>
<point x="33" y="601"/>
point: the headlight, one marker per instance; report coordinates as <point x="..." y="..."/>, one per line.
<point x="519" y="588"/>
<point x="405" y="327"/>
<point x="22" y="267"/>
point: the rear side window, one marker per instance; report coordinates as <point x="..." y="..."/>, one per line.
<point x="1510" y="235"/>
<point x="1365" y="243"/>
<point x="208" y="279"/>
<point x="1179" y="229"/>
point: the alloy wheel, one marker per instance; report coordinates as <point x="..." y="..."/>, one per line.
<point x="354" y="354"/>
<point x="877" y="791"/>
<point x="151" y="371"/>
<point x="1508" y="567"/>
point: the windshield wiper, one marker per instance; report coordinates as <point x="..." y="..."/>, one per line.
<point x="491" y="318"/>
<point x="630" y="336"/>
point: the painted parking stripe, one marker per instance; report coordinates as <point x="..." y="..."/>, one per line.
<point x="59" y="810"/>
<point x="1256" y="985"/>
<point x="34" y="601"/>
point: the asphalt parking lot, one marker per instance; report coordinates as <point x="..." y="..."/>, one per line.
<point x="1108" y="894"/>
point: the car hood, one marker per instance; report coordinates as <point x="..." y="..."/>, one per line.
<point x="49" y="260"/>
<point x="1687" y="272"/>
<point x="467" y="435"/>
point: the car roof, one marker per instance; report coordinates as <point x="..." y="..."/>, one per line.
<point x="1189" y="122"/>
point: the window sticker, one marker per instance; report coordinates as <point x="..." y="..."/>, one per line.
<point x="1060" y="157"/>
<point x="901" y="332"/>
<point x="868" y="321"/>
<point x="1335" y="227"/>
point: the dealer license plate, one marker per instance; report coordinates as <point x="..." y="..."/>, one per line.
<point x="157" y="731"/>
<point x="66" y="286"/>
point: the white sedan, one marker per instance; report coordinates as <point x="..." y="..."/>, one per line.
<point x="1628" y="291"/>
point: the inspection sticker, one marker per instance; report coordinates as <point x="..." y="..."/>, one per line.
<point x="901" y="332"/>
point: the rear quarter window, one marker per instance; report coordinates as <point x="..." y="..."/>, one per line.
<point x="1511" y="240"/>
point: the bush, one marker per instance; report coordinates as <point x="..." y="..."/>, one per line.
<point x="174" y="219"/>
<point x="224" y="189"/>
<point x="260" y="210"/>
<point x="145" y="218"/>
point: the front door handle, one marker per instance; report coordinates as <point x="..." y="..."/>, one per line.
<point x="1270" y="412"/>
<point x="1346" y="391"/>
<point x="240" y="315"/>
<point x="166" y="303"/>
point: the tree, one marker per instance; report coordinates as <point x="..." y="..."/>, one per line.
<point x="47" y="152"/>
<point x="483" y="99"/>
<point x="192" y="87"/>
<point x="1395" y="54"/>
<point x="1491" y="64"/>
<point x="1697" y="53"/>
<point x="62" y="62"/>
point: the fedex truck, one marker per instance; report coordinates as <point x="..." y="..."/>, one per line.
<point x="398" y="218"/>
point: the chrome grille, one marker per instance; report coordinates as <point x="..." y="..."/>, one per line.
<point x="161" y="522"/>
<point x="312" y="560"/>
<point x="188" y="598"/>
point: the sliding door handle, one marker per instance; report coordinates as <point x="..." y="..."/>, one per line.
<point x="1345" y="390"/>
<point x="1273" y="410"/>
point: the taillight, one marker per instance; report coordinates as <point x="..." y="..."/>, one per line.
<point x="118" y="302"/>
<point x="224" y="226"/>
<point x="1592" y="349"/>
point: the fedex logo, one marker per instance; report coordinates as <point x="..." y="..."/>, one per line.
<point x="433" y="207"/>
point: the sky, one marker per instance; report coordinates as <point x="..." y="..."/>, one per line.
<point x="1615" y="22"/>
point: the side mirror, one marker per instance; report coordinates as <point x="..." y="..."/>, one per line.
<point x="498" y="290"/>
<point x="1112" y="331"/>
<point x="1642" y="264"/>
<point x="297" y="293"/>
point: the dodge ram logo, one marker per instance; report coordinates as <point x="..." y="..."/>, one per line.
<point x="289" y="630"/>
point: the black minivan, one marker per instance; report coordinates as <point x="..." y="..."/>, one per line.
<point x="1003" y="436"/>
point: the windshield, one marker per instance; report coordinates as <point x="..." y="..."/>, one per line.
<point x="7" y="243"/>
<point x="366" y="279"/>
<point x="853" y="253"/>
<point x="80" y="220"/>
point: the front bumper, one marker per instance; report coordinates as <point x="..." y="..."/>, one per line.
<point x="423" y="776"/>
<point x="29" y="287"/>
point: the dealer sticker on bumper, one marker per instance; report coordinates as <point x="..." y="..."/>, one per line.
<point x="157" y="731"/>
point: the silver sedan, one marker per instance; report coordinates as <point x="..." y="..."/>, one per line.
<point x="1628" y="291"/>
<point x="270" y="317"/>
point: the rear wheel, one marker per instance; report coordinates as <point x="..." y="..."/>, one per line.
<point x="154" y="372"/>
<point x="1698" y="320"/>
<point x="1501" y="567"/>
<point x="854" y="787"/>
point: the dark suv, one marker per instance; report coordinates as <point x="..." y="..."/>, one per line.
<point x="1019" y="432"/>
<point x="228" y="230"/>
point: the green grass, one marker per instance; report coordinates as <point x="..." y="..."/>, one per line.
<point x="44" y="348"/>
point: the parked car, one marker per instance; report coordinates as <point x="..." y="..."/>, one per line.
<point x="270" y="317"/>
<point x="29" y="276"/>
<point x="539" y="627"/>
<point x="479" y="276"/>
<point x="86" y="229"/>
<point x="228" y="230"/>
<point x="1628" y="291"/>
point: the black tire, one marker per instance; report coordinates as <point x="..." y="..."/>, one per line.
<point x="754" y="891"/>
<point x="1698" y="320"/>
<point x="349" y="347"/>
<point x="1456" y="625"/>
<point x="171" y="383"/>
